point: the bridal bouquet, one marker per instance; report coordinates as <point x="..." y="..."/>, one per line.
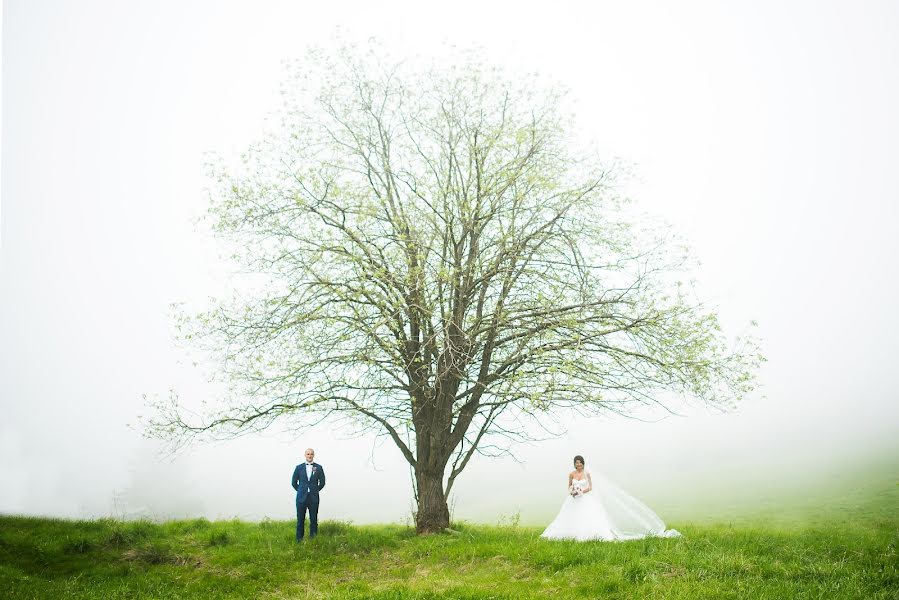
<point x="575" y="491"/>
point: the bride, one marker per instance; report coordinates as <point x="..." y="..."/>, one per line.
<point x="608" y="513"/>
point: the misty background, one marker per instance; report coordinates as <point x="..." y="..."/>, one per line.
<point x="765" y="133"/>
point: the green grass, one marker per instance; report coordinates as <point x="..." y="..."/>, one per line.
<point x="839" y="552"/>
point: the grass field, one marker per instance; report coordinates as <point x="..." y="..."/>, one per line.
<point x="848" y="550"/>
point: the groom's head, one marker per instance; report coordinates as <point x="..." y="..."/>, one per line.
<point x="310" y="454"/>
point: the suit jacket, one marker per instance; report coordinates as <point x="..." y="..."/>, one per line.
<point x="308" y="486"/>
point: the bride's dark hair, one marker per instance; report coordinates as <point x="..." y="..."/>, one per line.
<point x="580" y="458"/>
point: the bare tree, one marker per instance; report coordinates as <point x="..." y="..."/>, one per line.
<point x="442" y="266"/>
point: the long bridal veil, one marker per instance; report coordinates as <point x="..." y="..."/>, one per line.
<point x="628" y="517"/>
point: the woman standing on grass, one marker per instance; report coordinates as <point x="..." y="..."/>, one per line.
<point x="608" y="513"/>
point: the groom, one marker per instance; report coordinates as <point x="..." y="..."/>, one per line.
<point x="308" y="479"/>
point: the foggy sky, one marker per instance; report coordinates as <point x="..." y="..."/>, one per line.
<point x="765" y="134"/>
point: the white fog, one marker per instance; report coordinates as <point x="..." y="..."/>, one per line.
<point x="766" y="135"/>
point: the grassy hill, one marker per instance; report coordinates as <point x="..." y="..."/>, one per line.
<point x="842" y="550"/>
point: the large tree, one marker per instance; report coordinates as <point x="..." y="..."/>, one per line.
<point x="441" y="264"/>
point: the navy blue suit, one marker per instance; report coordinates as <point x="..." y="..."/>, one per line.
<point x="307" y="496"/>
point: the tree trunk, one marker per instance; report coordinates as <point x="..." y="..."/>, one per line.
<point x="433" y="512"/>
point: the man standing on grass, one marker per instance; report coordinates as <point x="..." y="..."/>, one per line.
<point x="308" y="480"/>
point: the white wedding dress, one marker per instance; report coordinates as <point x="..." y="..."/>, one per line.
<point x="605" y="513"/>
